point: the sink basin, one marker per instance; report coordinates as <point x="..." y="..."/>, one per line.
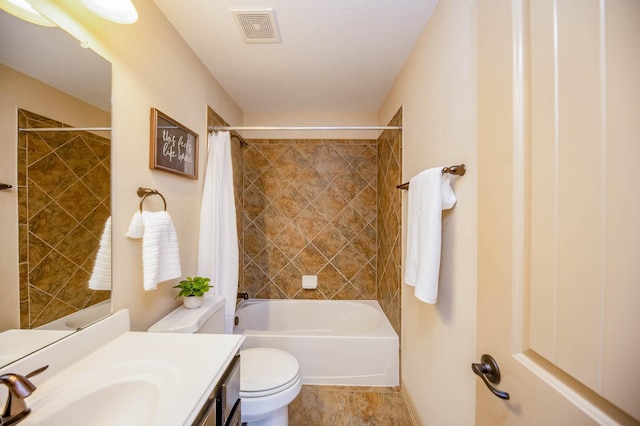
<point x="124" y="393"/>
<point x="121" y="403"/>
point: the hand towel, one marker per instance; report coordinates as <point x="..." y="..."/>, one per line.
<point x="160" y="251"/>
<point x="429" y="193"/>
<point x="101" y="275"/>
<point x="218" y="255"/>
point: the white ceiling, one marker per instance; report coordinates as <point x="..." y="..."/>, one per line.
<point x="334" y="55"/>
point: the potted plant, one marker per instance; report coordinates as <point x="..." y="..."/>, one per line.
<point x="192" y="290"/>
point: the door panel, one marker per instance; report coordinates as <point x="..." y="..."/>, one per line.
<point x="621" y="371"/>
<point x="559" y="131"/>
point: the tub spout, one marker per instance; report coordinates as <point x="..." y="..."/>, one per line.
<point x="244" y="296"/>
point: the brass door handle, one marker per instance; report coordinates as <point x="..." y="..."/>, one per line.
<point x="489" y="372"/>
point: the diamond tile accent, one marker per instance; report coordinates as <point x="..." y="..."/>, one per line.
<point x="270" y="260"/>
<point x="331" y="280"/>
<point x="270" y="182"/>
<point x="42" y="224"/>
<point x="51" y="174"/>
<point x="350" y="182"/>
<point x="329" y="242"/>
<point x="271" y="221"/>
<point x="349" y="261"/>
<point x="310" y="222"/>
<point x="254" y="202"/>
<point x="290" y="202"/>
<point x="309" y="261"/>
<point x="78" y="201"/>
<point x="77" y="155"/>
<point x="330" y="203"/>
<point x="288" y="280"/>
<point x="290" y="241"/>
<point x="349" y="222"/>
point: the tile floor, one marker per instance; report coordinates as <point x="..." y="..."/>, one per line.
<point x="349" y="406"/>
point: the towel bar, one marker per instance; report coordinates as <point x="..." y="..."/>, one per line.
<point x="145" y="192"/>
<point x="458" y="170"/>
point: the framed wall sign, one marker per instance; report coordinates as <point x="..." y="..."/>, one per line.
<point x="174" y="148"/>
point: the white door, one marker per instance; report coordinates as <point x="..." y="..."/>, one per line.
<point x="559" y="211"/>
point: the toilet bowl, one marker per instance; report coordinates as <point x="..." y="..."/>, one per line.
<point x="269" y="378"/>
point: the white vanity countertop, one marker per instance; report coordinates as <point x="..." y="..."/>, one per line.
<point x="185" y="366"/>
<point x="128" y="378"/>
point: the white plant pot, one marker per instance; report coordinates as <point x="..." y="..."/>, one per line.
<point x="192" y="302"/>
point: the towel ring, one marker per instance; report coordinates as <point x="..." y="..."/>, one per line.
<point x="145" y="192"/>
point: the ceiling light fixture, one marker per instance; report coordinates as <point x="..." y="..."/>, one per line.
<point x="118" y="11"/>
<point x="23" y="10"/>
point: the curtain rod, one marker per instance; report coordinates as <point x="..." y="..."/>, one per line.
<point x="66" y="129"/>
<point x="224" y="128"/>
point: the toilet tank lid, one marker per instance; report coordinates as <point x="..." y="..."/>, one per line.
<point x="183" y="320"/>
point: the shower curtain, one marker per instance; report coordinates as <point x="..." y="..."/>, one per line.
<point x="218" y="239"/>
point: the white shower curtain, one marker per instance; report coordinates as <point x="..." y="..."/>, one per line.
<point x="218" y="242"/>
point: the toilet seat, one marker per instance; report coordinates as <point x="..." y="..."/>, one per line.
<point x="267" y="371"/>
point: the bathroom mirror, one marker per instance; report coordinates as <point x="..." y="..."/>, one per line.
<point x="62" y="197"/>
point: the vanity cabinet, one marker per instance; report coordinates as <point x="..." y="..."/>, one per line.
<point x="222" y="408"/>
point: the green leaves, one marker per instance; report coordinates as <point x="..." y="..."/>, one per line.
<point x="197" y="286"/>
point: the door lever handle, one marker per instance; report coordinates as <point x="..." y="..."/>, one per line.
<point x="489" y="372"/>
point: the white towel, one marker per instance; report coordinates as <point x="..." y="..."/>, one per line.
<point x="101" y="275"/>
<point x="160" y="251"/>
<point x="429" y="193"/>
<point x="218" y="242"/>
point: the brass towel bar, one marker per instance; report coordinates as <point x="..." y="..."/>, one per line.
<point x="458" y="170"/>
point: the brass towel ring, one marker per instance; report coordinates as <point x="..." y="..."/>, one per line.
<point x="145" y="192"/>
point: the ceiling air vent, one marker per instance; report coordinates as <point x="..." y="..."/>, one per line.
<point x="257" y="26"/>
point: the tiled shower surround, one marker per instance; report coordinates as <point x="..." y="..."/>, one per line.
<point x="325" y="207"/>
<point x="389" y="275"/>
<point x="64" y="187"/>
<point x="310" y="209"/>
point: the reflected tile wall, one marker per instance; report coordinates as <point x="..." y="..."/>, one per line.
<point x="389" y="221"/>
<point x="64" y="187"/>
<point x="309" y="208"/>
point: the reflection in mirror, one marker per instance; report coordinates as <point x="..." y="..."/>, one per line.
<point x="63" y="184"/>
<point x="65" y="213"/>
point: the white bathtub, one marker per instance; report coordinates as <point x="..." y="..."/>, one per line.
<point x="344" y="342"/>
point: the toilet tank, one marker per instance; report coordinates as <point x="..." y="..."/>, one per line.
<point x="208" y="318"/>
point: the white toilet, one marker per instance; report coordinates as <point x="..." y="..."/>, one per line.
<point x="269" y="378"/>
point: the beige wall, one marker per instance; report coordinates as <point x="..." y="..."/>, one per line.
<point x="313" y="119"/>
<point x="22" y="91"/>
<point x="152" y="67"/>
<point x="437" y="87"/>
